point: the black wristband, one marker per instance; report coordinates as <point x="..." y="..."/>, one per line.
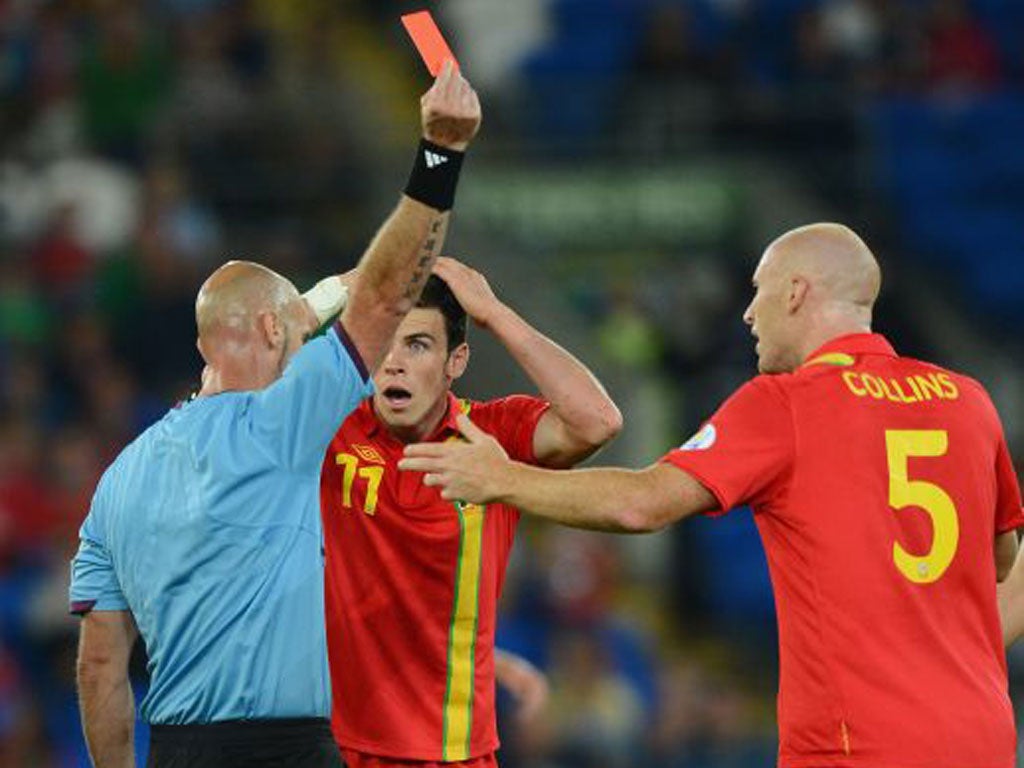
<point x="435" y="175"/>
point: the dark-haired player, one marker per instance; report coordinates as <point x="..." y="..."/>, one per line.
<point x="412" y="580"/>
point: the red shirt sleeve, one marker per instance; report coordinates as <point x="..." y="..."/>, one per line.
<point x="1009" y="514"/>
<point x="512" y="420"/>
<point x="744" y="452"/>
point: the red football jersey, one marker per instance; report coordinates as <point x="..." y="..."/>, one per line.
<point x="879" y="484"/>
<point x="412" y="587"/>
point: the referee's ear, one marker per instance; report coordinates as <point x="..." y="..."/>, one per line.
<point x="271" y="329"/>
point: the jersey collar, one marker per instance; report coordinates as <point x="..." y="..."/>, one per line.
<point x="843" y="350"/>
<point x="448" y="425"/>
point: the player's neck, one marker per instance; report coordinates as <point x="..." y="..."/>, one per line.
<point x="423" y="428"/>
<point x="827" y="332"/>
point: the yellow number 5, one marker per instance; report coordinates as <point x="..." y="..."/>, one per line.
<point x="901" y="445"/>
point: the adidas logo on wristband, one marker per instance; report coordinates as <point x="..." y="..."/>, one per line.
<point x="435" y="174"/>
<point x="433" y="159"/>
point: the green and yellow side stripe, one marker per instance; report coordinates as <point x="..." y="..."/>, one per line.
<point x="458" y="697"/>
<point x="461" y="682"/>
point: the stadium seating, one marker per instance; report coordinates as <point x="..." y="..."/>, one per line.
<point x="955" y="175"/>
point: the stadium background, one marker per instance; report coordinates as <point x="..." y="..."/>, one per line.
<point x="636" y="157"/>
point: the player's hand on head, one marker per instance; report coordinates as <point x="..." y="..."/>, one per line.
<point x="471" y="289"/>
<point x="450" y="110"/>
<point x="465" y="470"/>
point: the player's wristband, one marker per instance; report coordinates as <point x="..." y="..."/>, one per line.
<point x="327" y="298"/>
<point x="435" y="175"/>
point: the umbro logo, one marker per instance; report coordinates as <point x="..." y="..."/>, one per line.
<point x="368" y="453"/>
<point x="433" y="159"/>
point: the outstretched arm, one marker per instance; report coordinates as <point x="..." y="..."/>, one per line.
<point x="582" y="416"/>
<point x="394" y="268"/>
<point x="606" y="499"/>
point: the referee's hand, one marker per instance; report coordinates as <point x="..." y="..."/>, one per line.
<point x="450" y="110"/>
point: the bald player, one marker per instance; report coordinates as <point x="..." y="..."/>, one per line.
<point x="884" y="495"/>
<point x="204" y="534"/>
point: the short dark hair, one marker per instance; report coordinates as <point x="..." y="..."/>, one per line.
<point x="437" y="295"/>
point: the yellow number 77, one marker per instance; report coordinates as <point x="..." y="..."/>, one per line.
<point x="901" y="445"/>
<point x="371" y="473"/>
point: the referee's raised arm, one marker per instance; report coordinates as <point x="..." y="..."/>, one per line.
<point x="204" y="535"/>
<point x="394" y="268"/>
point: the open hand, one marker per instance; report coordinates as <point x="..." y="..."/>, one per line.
<point x="472" y="470"/>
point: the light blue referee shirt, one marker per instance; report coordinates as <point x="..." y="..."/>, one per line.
<point x="207" y="528"/>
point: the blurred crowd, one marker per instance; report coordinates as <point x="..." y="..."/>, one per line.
<point x="145" y="142"/>
<point x="738" y="66"/>
<point x="114" y="117"/>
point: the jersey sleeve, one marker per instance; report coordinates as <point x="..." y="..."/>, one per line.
<point x="295" y="418"/>
<point x="744" y="453"/>
<point x="1009" y="514"/>
<point x="94" y="584"/>
<point x="512" y="420"/>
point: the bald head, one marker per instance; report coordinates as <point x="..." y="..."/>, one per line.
<point x="251" y="321"/>
<point x="833" y="259"/>
<point x="813" y="284"/>
<point x="236" y="293"/>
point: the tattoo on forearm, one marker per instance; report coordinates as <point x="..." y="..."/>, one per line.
<point x="428" y="253"/>
<point x="412" y="290"/>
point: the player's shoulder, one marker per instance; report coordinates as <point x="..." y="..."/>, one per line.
<point x="500" y="408"/>
<point x="964" y="383"/>
<point x="965" y="394"/>
<point x="763" y="396"/>
<point x="769" y="387"/>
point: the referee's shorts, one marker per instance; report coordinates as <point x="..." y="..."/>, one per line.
<point x="285" y="743"/>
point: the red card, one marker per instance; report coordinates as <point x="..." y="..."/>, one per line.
<point x="428" y="40"/>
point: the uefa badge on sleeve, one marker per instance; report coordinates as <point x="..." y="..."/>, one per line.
<point x="702" y="440"/>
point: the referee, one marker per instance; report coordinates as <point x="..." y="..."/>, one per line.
<point x="204" y="534"/>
